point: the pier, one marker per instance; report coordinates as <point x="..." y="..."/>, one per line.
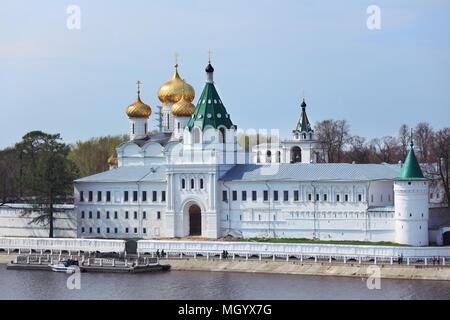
<point x="89" y="264"/>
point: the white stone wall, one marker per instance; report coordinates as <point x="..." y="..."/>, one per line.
<point x="325" y="219"/>
<point x="153" y="222"/>
<point x="14" y="224"/>
<point x="381" y="193"/>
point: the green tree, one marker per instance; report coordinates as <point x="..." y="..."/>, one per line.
<point x="91" y="156"/>
<point x="47" y="174"/>
<point x="10" y="189"/>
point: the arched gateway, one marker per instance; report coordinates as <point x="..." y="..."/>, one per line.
<point x="195" y="220"/>
<point x="446" y="238"/>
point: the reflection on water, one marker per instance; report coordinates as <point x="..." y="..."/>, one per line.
<point x="209" y="285"/>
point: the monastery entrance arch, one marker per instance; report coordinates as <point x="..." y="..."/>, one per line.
<point x="446" y="238"/>
<point x="195" y="220"/>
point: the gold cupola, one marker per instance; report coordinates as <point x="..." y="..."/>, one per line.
<point x="171" y="91"/>
<point x="138" y="109"/>
<point x="182" y="108"/>
<point x="112" y="161"/>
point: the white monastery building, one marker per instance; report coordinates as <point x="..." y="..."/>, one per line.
<point x="193" y="179"/>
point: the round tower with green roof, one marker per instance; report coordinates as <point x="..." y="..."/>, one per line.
<point x="411" y="203"/>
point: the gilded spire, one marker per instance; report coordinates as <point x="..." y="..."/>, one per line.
<point x="209" y="56"/>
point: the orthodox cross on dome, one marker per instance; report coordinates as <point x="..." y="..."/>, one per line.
<point x="176" y="59"/>
<point x="209" y="56"/>
<point x="303" y="95"/>
<point x="138" y="85"/>
<point x="413" y="134"/>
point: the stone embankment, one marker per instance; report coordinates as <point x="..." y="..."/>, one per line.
<point x="319" y="269"/>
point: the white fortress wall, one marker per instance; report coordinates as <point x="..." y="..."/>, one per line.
<point x="14" y="224"/>
<point x="326" y="211"/>
<point x="119" y="218"/>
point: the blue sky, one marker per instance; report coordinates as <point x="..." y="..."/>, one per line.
<point x="79" y="82"/>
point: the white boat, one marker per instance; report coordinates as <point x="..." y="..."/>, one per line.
<point x="67" y="266"/>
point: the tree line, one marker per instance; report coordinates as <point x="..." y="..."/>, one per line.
<point x="39" y="171"/>
<point x="432" y="148"/>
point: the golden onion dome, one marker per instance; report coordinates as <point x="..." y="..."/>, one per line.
<point x="112" y="161"/>
<point x="182" y="108"/>
<point x="138" y="109"/>
<point x="171" y="91"/>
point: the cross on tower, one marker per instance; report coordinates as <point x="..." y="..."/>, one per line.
<point x="176" y="59"/>
<point x="209" y="56"/>
<point x="138" y="85"/>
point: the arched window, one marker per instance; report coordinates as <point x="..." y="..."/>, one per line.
<point x="222" y="135"/>
<point x="132" y="128"/>
<point x="168" y="122"/>
<point x="201" y="183"/>
<point x="179" y="126"/>
<point x="192" y="184"/>
<point x="268" y="156"/>
<point x="296" y="154"/>
<point x="196" y="135"/>
<point x="183" y="184"/>
<point x="304" y="136"/>
<point x="258" y="157"/>
<point x="145" y="128"/>
<point x="278" y="156"/>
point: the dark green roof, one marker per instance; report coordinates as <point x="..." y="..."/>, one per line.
<point x="303" y="124"/>
<point x="411" y="169"/>
<point x="210" y="110"/>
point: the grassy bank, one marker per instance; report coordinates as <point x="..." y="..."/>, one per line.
<point x="304" y="240"/>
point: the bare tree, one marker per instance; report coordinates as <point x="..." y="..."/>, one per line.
<point x="403" y="140"/>
<point x="438" y="168"/>
<point x="386" y="149"/>
<point x="424" y="139"/>
<point x="359" y="152"/>
<point x="333" y="135"/>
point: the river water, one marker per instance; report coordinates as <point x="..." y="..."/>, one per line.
<point x="18" y="284"/>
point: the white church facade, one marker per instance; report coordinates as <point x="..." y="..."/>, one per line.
<point x="193" y="179"/>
